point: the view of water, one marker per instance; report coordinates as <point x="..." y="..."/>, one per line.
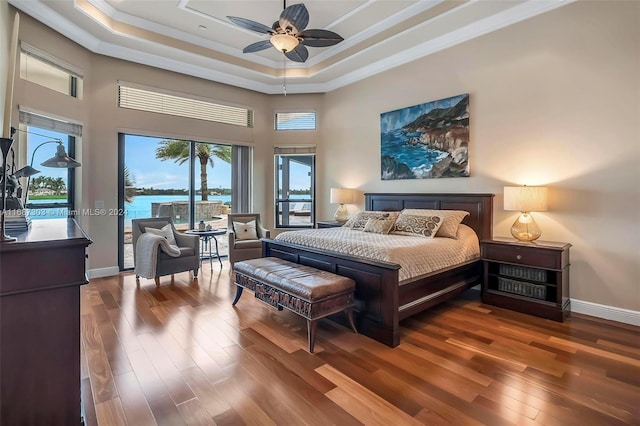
<point x="140" y="206"/>
<point x="394" y="144"/>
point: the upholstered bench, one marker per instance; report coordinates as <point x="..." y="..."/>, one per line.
<point x="306" y="291"/>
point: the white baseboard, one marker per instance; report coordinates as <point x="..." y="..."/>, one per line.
<point x="626" y="316"/>
<point x="103" y="272"/>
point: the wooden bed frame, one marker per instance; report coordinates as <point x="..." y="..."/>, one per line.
<point x="380" y="301"/>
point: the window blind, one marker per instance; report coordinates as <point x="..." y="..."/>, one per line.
<point x="54" y="124"/>
<point x="295" y="121"/>
<point x="163" y="103"/>
<point x="294" y="150"/>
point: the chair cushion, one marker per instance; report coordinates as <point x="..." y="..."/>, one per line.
<point x="184" y="252"/>
<point x="247" y="244"/>
<point x="245" y="231"/>
<point x="166" y="232"/>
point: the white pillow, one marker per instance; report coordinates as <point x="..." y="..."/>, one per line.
<point x="245" y="231"/>
<point x="165" y="232"/>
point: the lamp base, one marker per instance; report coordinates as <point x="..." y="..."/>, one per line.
<point x="342" y="214"/>
<point x="7" y="239"/>
<point x="525" y="228"/>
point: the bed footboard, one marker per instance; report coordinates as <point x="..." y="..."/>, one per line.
<point x="377" y="292"/>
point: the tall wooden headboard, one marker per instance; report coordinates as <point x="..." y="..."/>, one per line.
<point x="479" y="206"/>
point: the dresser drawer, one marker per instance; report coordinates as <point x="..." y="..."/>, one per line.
<point x="530" y="256"/>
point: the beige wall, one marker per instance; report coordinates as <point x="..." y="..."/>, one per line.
<point x="553" y="101"/>
<point x="6" y="23"/>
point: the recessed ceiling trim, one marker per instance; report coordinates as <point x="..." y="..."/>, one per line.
<point x="500" y="20"/>
<point x="57" y="22"/>
<point x="419" y="7"/>
<point x="135" y="21"/>
<point x="350" y="14"/>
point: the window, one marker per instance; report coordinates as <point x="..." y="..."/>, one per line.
<point x="41" y="68"/>
<point x="49" y="193"/>
<point x="151" y="100"/>
<point x="295" y="187"/>
<point x="186" y="180"/>
<point x="295" y="121"/>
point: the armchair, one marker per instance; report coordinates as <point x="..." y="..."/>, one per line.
<point x="245" y="249"/>
<point x="189" y="246"/>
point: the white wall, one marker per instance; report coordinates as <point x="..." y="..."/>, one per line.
<point x="554" y="101"/>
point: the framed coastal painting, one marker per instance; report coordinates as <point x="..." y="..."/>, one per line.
<point x="426" y="141"/>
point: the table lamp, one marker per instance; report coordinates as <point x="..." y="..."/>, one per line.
<point x="341" y="196"/>
<point x="525" y="199"/>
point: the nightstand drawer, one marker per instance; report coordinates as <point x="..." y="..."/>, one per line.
<point x="530" y="256"/>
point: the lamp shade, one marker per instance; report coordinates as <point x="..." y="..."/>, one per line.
<point x="525" y="198"/>
<point x="341" y="196"/>
<point x="61" y="160"/>
<point x="284" y="42"/>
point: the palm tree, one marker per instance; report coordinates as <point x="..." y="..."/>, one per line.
<point x="178" y="150"/>
<point x="129" y="185"/>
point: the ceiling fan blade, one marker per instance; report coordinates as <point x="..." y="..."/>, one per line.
<point x="295" y="16"/>
<point x="257" y="46"/>
<point x="299" y="54"/>
<point x="319" y="38"/>
<point x="250" y="25"/>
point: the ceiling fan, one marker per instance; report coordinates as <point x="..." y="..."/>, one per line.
<point x="288" y="34"/>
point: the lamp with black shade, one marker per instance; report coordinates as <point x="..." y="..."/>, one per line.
<point x="19" y="220"/>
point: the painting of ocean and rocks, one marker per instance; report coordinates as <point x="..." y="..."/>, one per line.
<point x="426" y="141"/>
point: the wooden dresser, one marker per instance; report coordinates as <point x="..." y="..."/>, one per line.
<point x="40" y="279"/>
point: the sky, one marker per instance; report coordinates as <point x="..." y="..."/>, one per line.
<point x="148" y="171"/>
<point x="393" y="120"/>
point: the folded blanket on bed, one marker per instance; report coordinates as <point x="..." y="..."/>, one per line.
<point x="147" y="253"/>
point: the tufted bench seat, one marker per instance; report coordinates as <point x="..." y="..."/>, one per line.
<point x="306" y="291"/>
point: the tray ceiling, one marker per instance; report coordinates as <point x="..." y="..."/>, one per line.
<point x="194" y="37"/>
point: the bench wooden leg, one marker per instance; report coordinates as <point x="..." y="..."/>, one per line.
<point x="311" y="328"/>
<point x="238" y="294"/>
<point x="350" y="317"/>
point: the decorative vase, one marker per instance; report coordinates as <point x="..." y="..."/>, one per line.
<point x="202" y="226"/>
<point x="209" y="227"/>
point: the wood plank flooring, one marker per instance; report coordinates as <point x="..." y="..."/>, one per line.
<point x="180" y="354"/>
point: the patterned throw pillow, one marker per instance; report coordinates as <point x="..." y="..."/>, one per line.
<point x="379" y="225"/>
<point x="165" y="232"/>
<point x="358" y="221"/>
<point x="424" y="226"/>
<point x="245" y="231"/>
<point x="451" y="219"/>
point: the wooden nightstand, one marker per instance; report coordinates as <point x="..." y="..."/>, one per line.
<point x="329" y="224"/>
<point x="527" y="277"/>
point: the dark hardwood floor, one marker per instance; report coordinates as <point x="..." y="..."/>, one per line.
<point x="180" y="354"/>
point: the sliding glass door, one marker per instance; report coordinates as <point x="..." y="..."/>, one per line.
<point x="187" y="181"/>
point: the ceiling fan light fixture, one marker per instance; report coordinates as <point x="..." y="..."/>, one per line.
<point x="284" y="42"/>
